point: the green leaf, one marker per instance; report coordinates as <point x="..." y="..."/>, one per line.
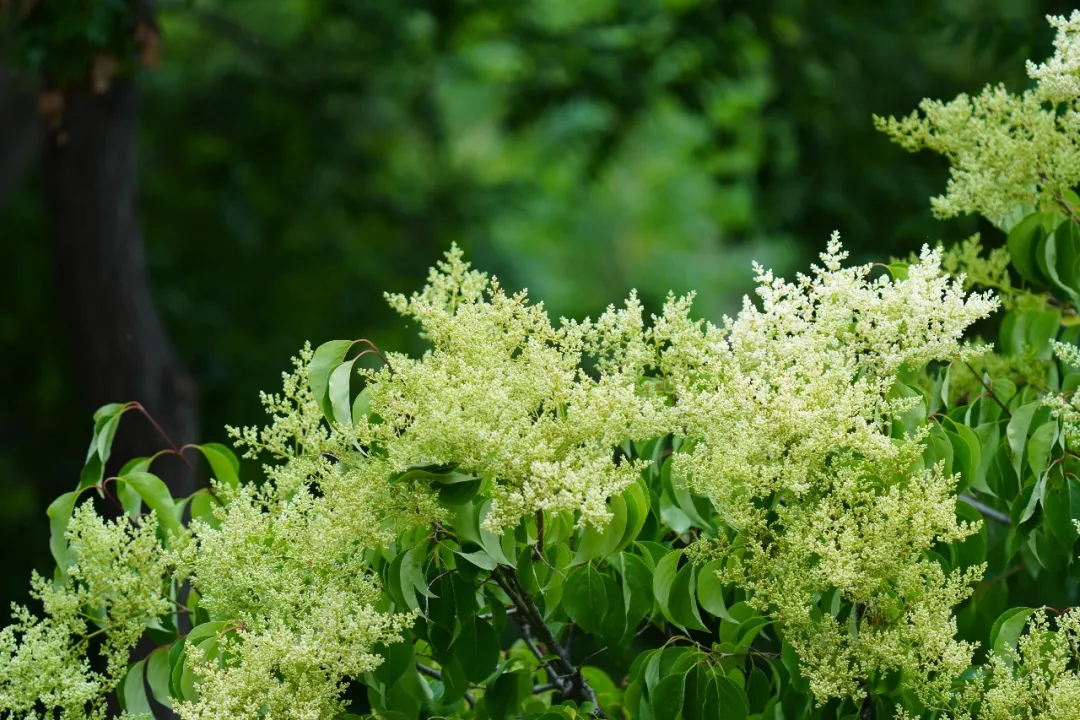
<point x="710" y="591"/>
<point x="637" y="512"/>
<point x="1035" y="499"/>
<point x="967" y="453"/>
<point x="478" y="647"/>
<point x="339" y="393"/>
<point x="157" y="675"/>
<point x="702" y="699"/>
<point x="1040" y="447"/>
<point x="361" y="407"/>
<point x="326" y="359"/>
<point x="600" y="542"/>
<point x="155" y="493"/>
<point x="133" y="691"/>
<point x="1017" y="431"/>
<point x="1061" y="254"/>
<point x="1008" y="628"/>
<point x="972" y="550"/>
<point x="637" y="590"/>
<point x="1022" y="243"/>
<point x="899" y="271"/>
<point x="682" y="600"/>
<point x="455" y="684"/>
<point x="59" y="513"/>
<point x="1062" y="507"/>
<point x="1040" y="327"/>
<point x="585" y="598"/>
<point x="663" y="578"/>
<point x="223" y="463"/>
<point x="203" y="504"/>
<point x="397" y="657"/>
<point x="666" y="698"/>
<point x="499" y="547"/>
<point x="733" y="702"/>
<point x="506" y="694"/>
<point x="759" y="689"/>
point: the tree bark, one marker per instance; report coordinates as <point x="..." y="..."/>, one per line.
<point x="19" y="127"/>
<point x="117" y="340"/>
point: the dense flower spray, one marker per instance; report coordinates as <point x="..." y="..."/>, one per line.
<point x="789" y="409"/>
<point x="1006" y="150"/>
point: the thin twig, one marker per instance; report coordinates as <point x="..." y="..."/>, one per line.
<point x="579" y="688"/>
<point x="989" y="389"/>
<point x="1067" y="208"/>
<point x="429" y="671"/>
<point x="489" y="616"/>
<point x="986" y="510"/>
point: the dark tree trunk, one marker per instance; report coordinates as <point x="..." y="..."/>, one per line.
<point x="117" y="340"/>
<point x="19" y="128"/>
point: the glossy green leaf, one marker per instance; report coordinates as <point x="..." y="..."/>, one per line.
<point x="223" y="463"/>
<point x="155" y="493"/>
<point x="133" y="691"/>
<point x="1034" y="499"/>
<point x="455" y="682"/>
<point x="733" y="701"/>
<point x="637" y="512"/>
<point x="585" y="598"/>
<point x="637" y="588"/>
<point x="59" y="513"/>
<point x="710" y="591"/>
<point x="158" y="670"/>
<point x="682" y="600"/>
<point x="339" y="393"/>
<point x="1017" y="431"/>
<point x="1008" y="628"/>
<point x="1062" y="508"/>
<point x="663" y="578"/>
<point x="702" y="699"/>
<point x="203" y="506"/>
<point x="1061" y="255"/>
<point x="1022" y="243"/>
<point x="972" y="550"/>
<point x="598" y="542"/>
<point x="478" y="647"/>
<point x="324" y="361"/>
<point x="666" y="699"/>
<point x="1040" y="447"/>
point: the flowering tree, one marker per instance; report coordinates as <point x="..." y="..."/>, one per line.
<point x="838" y="503"/>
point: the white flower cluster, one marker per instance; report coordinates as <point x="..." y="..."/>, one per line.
<point x="786" y="412"/>
<point x="504" y="395"/>
<point x="788" y="409"/>
<point x="118" y="577"/>
<point x="1059" y="77"/>
<point x="1005" y="149"/>
<point x="1038" y="679"/>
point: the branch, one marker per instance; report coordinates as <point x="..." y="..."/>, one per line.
<point x="989" y="389"/>
<point x="1067" y="208"/>
<point x="573" y="684"/>
<point x="986" y="510"/>
<point x="430" y="672"/>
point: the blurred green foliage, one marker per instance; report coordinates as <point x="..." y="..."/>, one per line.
<point x="299" y="157"/>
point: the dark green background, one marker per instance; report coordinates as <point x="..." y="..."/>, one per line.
<point x="301" y="157"/>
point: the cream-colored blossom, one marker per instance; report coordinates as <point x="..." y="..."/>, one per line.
<point x="1005" y="149"/>
<point x="119" y="573"/>
<point x="1039" y="678"/>
<point x="788" y="410"/>
<point x="1059" y="77"/>
<point x="503" y="394"/>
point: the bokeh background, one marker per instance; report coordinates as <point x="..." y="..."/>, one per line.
<point x="297" y="158"/>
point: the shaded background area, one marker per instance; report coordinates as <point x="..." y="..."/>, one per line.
<point x="175" y="238"/>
